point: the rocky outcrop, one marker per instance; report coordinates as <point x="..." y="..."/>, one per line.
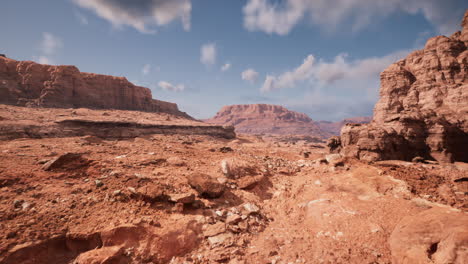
<point x="26" y="83"/>
<point x="106" y="129"/>
<point x="266" y="119"/>
<point x="334" y="128"/>
<point x="423" y="106"/>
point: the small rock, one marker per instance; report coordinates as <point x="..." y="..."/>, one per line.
<point x="151" y="192"/>
<point x="213" y="230"/>
<point x="332" y="157"/>
<point x="206" y="185"/>
<point x="225" y="149"/>
<point x="233" y="219"/>
<point x="98" y="183"/>
<point x="221" y="239"/>
<point x="225" y="168"/>
<point x="117" y="192"/>
<point x="183" y="198"/>
<point x="175" y="161"/>
<point x="251" y="208"/>
<point x="418" y="159"/>
<point x="249" y="182"/>
<point x="17" y="203"/>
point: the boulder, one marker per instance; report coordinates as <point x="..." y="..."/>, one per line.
<point x="438" y="235"/>
<point x="206" y="185"/>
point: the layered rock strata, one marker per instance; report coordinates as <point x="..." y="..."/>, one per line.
<point x="26" y="83"/>
<point x="423" y="106"/>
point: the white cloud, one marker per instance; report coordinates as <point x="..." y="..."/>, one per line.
<point x="50" y="43"/>
<point x="208" y="54"/>
<point x="249" y="75"/>
<point x="142" y="15"/>
<point x="290" y="78"/>
<point x="226" y="67"/>
<point x="146" y="69"/>
<point x="49" y="46"/>
<point x="170" y="87"/>
<point x="81" y="18"/>
<point x="43" y="60"/>
<point x="326" y="73"/>
<point x="280" y="18"/>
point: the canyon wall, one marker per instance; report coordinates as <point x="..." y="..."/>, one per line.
<point x="26" y="83"/>
<point x="423" y="106"/>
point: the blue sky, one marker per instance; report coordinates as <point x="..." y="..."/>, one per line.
<point x="320" y="57"/>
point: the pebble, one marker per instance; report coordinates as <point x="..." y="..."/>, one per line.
<point x="98" y="183"/>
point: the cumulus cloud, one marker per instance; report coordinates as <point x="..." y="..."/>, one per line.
<point x="49" y="46"/>
<point x="146" y="69"/>
<point x="281" y="17"/>
<point x="249" y="75"/>
<point x="208" y="54"/>
<point x="142" y="15"/>
<point x="50" y="43"/>
<point x="225" y="67"/>
<point x="326" y="73"/>
<point x="43" y="60"/>
<point x="171" y="87"/>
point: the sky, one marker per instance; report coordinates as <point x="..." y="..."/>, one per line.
<point x="319" y="57"/>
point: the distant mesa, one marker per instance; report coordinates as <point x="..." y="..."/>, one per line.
<point x="2" y="55"/>
<point x="272" y="119"/>
<point x="423" y="106"/>
<point x="26" y="83"/>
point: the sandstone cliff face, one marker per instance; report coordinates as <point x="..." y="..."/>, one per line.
<point x="266" y="119"/>
<point x="423" y="106"/>
<point x="26" y="83"/>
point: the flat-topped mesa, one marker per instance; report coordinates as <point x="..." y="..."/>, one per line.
<point x="266" y="119"/>
<point x="26" y="83"/>
<point x="423" y="106"/>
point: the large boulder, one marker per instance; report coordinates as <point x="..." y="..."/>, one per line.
<point x="423" y="107"/>
<point x="438" y="235"/>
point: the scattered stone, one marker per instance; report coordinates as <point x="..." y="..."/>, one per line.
<point x="251" y="208"/>
<point x="225" y="239"/>
<point x="117" y="192"/>
<point x="206" y="185"/>
<point x="418" y="159"/>
<point x="98" y="183"/>
<point x="67" y="161"/>
<point x="225" y="149"/>
<point x="176" y="161"/>
<point x="152" y="193"/>
<point x="233" y="219"/>
<point x="225" y="168"/>
<point x="248" y="182"/>
<point x="183" y="198"/>
<point x="215" y="229"/>
<point x="332" y="157"/>
<point x="18" y="203"/>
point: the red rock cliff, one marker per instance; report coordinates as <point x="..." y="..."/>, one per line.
<point x="423" y="106"/>
<point x="27" y="83"/>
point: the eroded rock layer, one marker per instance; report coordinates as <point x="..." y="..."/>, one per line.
<point x="26" y="83"/>
<point x="423" y="106"/>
